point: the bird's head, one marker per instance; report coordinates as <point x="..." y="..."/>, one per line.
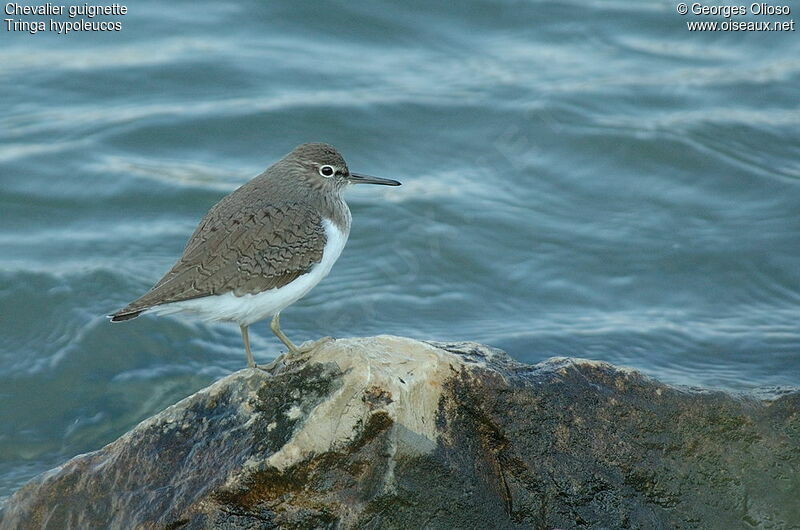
<point x="321" y="166"/>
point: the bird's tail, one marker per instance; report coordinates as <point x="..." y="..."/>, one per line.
<point x="125" y="314"/>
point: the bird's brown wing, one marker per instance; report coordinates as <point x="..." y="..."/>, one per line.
<point x="244" y="251"/>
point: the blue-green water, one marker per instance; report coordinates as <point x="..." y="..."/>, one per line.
<point x="580" y="178"/>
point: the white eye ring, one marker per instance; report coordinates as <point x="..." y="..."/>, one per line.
<point x="327" y="171"/>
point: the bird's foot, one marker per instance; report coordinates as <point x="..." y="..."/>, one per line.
<point x="296" y="354"/>
<point x="309" y="346"/>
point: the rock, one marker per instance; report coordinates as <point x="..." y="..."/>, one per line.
<point x="387" y="432"/>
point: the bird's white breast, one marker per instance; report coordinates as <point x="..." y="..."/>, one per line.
<point x="250" y="308"/>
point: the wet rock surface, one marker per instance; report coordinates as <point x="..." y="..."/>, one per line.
<point x="387" y="432"/>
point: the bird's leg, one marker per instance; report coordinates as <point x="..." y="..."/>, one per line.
<point x="251" y="363"/>
<point x="275" y="326"/>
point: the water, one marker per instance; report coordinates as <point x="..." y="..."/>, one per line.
<point x="580" y="178"/>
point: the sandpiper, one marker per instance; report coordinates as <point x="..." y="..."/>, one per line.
<point x="263" y="247"/>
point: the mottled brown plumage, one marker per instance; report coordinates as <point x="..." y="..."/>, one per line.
<point x="265" y="235"/>
<point x="262" y="236"/>
<point x="246" y="251"/>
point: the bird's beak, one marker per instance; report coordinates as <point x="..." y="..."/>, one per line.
<point x="355" y="178"/>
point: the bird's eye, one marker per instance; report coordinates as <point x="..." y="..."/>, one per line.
<point x="326" y="171"/>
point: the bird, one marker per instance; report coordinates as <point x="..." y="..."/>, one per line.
<point x="262" y="247"/>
